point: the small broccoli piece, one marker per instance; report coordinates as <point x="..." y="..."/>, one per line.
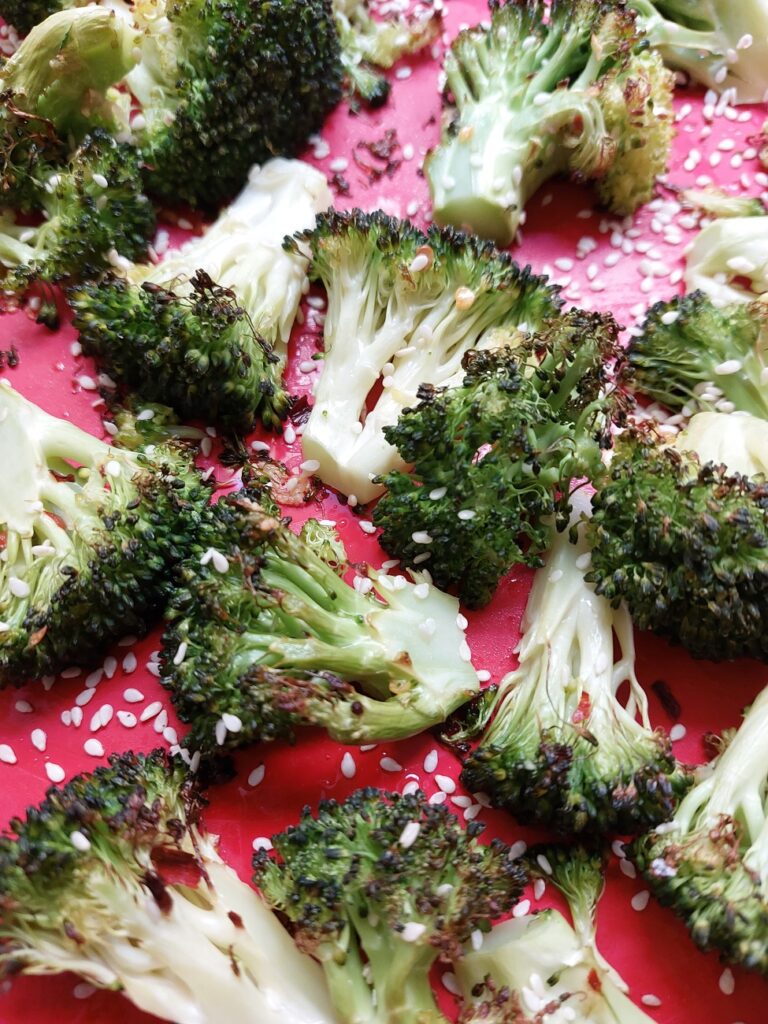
<point x="88" y="534"/>
<point x="686" y="546"/>
<point x="693" y="354"/>
<point x="569" y="87"/>
<point x="86" y="887"/>
<point x="564" y="749"/>
<point x="95" y="214"/>
<point x="392" y="879"/>
<point x="710" y="863"/>
<point x="25" y="14"/>
<point x="403" y="308"/>
<point x="720" y="44"/>
<point x="739" y="443"/>
<point x="369" y="43"/>
<point x="326" y="544"/>
<point x="538" y="969"/>
<point x="728" y="260"/>
<point x="270" y="637"/>
<point x="716" y="202"/>
<point x="496" y="456"/>
<point x="207" y="330"/>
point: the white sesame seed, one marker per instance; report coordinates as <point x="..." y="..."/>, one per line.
<point x="232" y="722"/>
<point x="430" y="761"/>
<point x="628" y="868"/>
<point x="670" y="317"/>
<point x="129" y="663"/>
<point x="366" y="526"/>
<point x="483" y="675"/>
<point x="39" y="739"/>
<point x="650" y="1000"/>
<point x="289" y="434"/>
<point x="84" y="697"/>
<point x="220" y="732"/>
<point x="522" y="908"/>
<point x="466" y="514"/>
<point x="127" y="719"/>
<point x="450" y="983"/>
<point x="421" y="537"/>
<point x="7" y="756"/>
<point x="150" y="711"/>
<point x="79" y="841"/>
<point x="543" y="863"/>
<point x="677" y="732"/>
<point x="170" y="735"/>
<point x="76" y="717"/>
<point x="412" y="931"/>
<point x="24" y="707"/>
<point x="19" y="588"/>
<point x="617" y="846"/>
<point x="410" y="787"/>
<point x="256" y="777"/>
<point x="55" y="772"/>
<point x="476" y="939"/>
<point x="728" y="367"/>
<point x="640" y="900"/>
<point x="262" y="843"/>
<point x="181" y="653"/>
<point x="348" y="766"/>
<point x="446" y="783"/>
<point x="133" y="696"/>
<point x="83" y="990"/>
<point x="340" y="163"/>
<point x="410" y="834"/>
<point x="110" y="666"/>
<point x="465" y="652"/>
<point x="727" y="982"/>
<point x="94" y="747"/>
<point x="94" y="678"/>
<point x="539" y="888"/>
<point x="388" y="764"/>
<point x="438" y="493"/>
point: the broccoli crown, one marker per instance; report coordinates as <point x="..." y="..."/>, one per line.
<point x="89" y="532"/>
<point x="563" y="748"/>
<point x="686" y="546"/>
<point x="264" y="637"/>
<point x="403" y="308"/>
<point x="728" y="260"/>
<point x="392" y="878"/>
<point x="543" y="90"/>
<point x="693" y="354"/>
<point x="495" y="456"/>
<point x="25" y="14"/>
<point x="710" y="863"/>
<point x="27" y="144"/>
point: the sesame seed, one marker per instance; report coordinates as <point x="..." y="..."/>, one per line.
<point x="55" y="772"/>
<point x="348" y="766"/>
<point x="127" y="718"/>
<point x="39" y="739"/>
<point x="430" y="761"/>
<point x="421" y="537"/>
<point x="366" y="526"/>
<point x="24" y="707"/>
<point x="466" y="514"/>
<point x="727" y="982"/>
<point x="79" y="841"/>
<point x="133" y="696"/>
<point x="7" y="755"/>
<point x="539" y="888"/>
<point x="677" y="732"/>
<point x="446" y="783"/>
<point x="617" y="846"/>
<point x="76" y="717"/>
<point x="289" y="434"/>
<point x="412" y="931"/>
<point x="628" y="868"/>
<point x="450" y="983"/>
<point x="181" y="653"/>
<point x="640" y="900"/>
<point x="232" y="722"/>
<point x="170" y="735"/>
<point x="83" y="990"/>
<point x="670" y="317"/>
<point x="465" y="652"/>
<point x="220" y="732"/>
<point x="129" y="663"/>
<point x="522" y="908"/>
<point x="84" y="697"/>
<point x="19" y="588"/>
<point x="94" y="747"/>
<point x="728" y="367"/>
<point x="256" y="777"/>
<point x="110" y="666"/>
<point x="650" y="1000"/>
<point x="544" y="864"/>
<point x="483" y="675"/>
<point x="94" y="678"/>
<point x="262" y="843"/>
<point x="410" y="834"/>
<point x="388" y="764"/>
<point x="476" y="939"/>
<point x="150" y="711"/>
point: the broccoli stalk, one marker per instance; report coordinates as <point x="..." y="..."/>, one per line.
<point x="87" y="886"/>
<point x="710" y="863"/>
<point x="546" y="90"/>
<point x="539" y="968"/>
<point x="496" y="456"/>
<point x="403" y="308"/>
<point x="739" y="443"/>
<point x="392" y="879"/>
<point x="728" y="260"/>
<point x="720" y="44"/>
<point x="563" y="748"/>
<point x="693" y="354"/>
<point x="88" y="535"/>
<point x="206" y="331"/>
<point x="265" y="638"/>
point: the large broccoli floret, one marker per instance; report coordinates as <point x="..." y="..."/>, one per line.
<point x="403" y="308"/>
<point x="265" y="638"/>
<point x="539" y="969"/>
<point x="207" y="330"/>
<point x="88" y="534"/>
<point x="565" y="747"/>
<point x="544" y="90"/>
<point x="694" y="355"/>
<point x="728" y="260"/>
<point x="710" y="863"/>
<point x="87" y="885"/>
<point x="378" y="889"/>
<point x="496" y="456"/>
<point x="685" y="545"/>
<point x="719" y="43"/>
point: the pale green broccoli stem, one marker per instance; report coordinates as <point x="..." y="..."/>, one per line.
<point x="726" y="252"/>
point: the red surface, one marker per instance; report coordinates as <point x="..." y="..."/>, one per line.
<point x="650" y="949"/>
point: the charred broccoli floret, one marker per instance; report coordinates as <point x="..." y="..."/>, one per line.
<point x="496" y="456"/>
<point x="264" y="638"/>
<point x="403" y="308"/>
<point x="88" y="534"/>
<point x="569" y="87"/>
<point x="25" y="14"/>
<point x="378" y="889"/>
<point x="87" y="885"/>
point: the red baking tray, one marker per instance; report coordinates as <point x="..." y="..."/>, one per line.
<point x="649" y="947"/>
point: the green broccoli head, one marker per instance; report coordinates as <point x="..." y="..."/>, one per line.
<point x="686" y="546"/>
<point x="710" y="863"/>
<point x="696" y="355"/>
<point x="27" y="144"/>
<point x="392" y="879"/>
<point x="264" y="638"/>
<point x="495" y="457"/>
<point x="89" y="532"/>
<point x="544" y="90"/>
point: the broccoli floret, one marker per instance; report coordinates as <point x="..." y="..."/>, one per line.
<point x="496" y="456"/>
<point x="86" y="883"/>
<point x="739" y="443"/>
<point x="695" y="355"/>
<point x="403" y="308"/>
<point x="326" y="544"/>
<point x="716" y="202"/>
<point x="25" y="14"/>
<point x="728" y="260"/>
<point x="686" y="546"/>
<point x="721" y="44"/>
<point x="88" y="534"/>
<point x="369" y="43"/>
<point x="95" y="213"/>
<point x="539" y="968"/>
<point x="207" y="330"/>
<point x="569" y="87"/>
<point x="264" y="638"/>
<point x="710" y="863"/>
<point x="565" y="747"/>
<point x="392" y="879"/>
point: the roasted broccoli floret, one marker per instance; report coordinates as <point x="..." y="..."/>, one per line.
<point x="539" y="969"/>
<point x="87" y="884"/>
<point x="207" y="330"/>
<point x="378" y="889"/>
<point x="565" y="747"/>
<point x="89" y="532"/>
<point x="719" y="43"/>
<point x="265" y="638"/>
<point x="403" y="308"/>
<point x="25" y="14"/>
<point x="710" y="863"/>
<point x="569" y="87"/>
<point x="496" y="456"/>
<point x="695" y="355"/>
<point x="728" y="260"/>
<point x="685" y="545"/>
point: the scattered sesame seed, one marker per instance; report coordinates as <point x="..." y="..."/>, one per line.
<point x="628" y="868"/>
<point x="539" y="888"/>
<point x="677" y="732"/>
<point x="446" y="783"/>
<point x="80" y="841"/>
<point x="76" y="717"/>
<point x="727" y="982"/>
<point x="181" y="653"/>
<point x="110" y="666"/>
<point x="410" y="834"/>
<point x="650" y="1000"/>
<point x="522" y="908"/>
<point x="150" y="711"/>
<point x="388" y="764"/>
<point x="450" y="983"/>
<point x="129" y="663"/>
<point x="640" y="900"/>
<point x="430" y="761"/>
<point x="94" y="747"/>
<point x="133" y="696"/>
<point x="39" y="739"/>
<point x="84" y="697"/>
<point x="55" y="772"/>
<point x="127" y="718"/>
<point x="262" y="843"/>
<point x="233" y="723"/>
<point x="544" y="864"/>
<point x="7" y="755"/>
<point x="83" y="990"/>
<point x="24" y="707"/>
<point x="19" y="588"/>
